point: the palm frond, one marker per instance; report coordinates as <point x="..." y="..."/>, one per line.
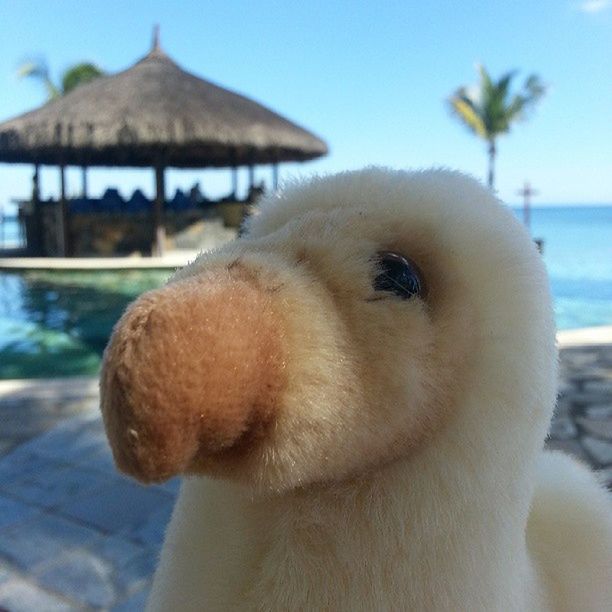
<point x="465" y="109"/>
<point x="517" y="107"/>
<point x="38" y="70"/>
<point x="534" y="87"/>
<point x="80" y="74"/>
<point x="32" y="69"/>
<point x="503" y="85"/>
<point x="486" y="83"/>
<point x="522" y="103"/>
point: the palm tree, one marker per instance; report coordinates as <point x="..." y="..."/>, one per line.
<point x="76" y="75"/>
<point x="489" y="109"/>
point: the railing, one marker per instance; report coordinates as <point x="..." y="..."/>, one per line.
<point x="112" y="202"/>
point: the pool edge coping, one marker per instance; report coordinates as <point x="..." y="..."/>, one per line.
<point x="172" y="260"/>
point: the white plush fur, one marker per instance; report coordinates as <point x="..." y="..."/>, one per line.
<point x="405" y="470"/>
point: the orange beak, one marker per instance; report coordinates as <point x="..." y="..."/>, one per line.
<point x="192" y="371"/>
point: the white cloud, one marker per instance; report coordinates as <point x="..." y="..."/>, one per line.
<point x="594" y="6"/>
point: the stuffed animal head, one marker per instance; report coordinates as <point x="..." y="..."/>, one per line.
<point x="341" y="332"/>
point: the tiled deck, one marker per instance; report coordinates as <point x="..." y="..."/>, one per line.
<point x="74" y="534"/>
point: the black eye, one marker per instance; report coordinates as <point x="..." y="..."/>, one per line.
<point x="398" y="275"/>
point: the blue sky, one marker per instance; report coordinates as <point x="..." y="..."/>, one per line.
<point x="371" y="78"/>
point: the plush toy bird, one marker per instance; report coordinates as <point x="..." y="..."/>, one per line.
<point x="357" y="391"/>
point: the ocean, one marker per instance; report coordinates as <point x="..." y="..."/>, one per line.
<point x="578" y="256"/>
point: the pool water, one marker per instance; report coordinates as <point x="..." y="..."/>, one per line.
<point x="58" y="323"/>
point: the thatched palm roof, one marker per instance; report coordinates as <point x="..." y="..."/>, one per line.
<point x="154" y="113"/>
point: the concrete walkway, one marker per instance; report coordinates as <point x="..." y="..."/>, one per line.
<point x="75" y="535"/>
<point x="171" y="260"/>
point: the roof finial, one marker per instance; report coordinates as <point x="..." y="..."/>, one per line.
<point x="155" y="46"/>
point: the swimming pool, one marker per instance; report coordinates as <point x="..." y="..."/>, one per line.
<point x="58" y="323"/>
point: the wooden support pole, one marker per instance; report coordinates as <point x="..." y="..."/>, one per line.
<point x="251" y="177"/>
<point x="159" y="231"/>
<point x="63" y="237"/>
<point x="235" y="181"/>
<point x="84" y="182"/>
<point x="275" y="176"/>
<point x="34" y="238"/>
<point x="36" y="185"/>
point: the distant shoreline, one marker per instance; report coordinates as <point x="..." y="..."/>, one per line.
<point x="564" y="205"/>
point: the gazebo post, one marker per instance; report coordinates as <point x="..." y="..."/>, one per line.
<point x="36" y="185"/>
<point x="34" y="238"/>
<point x="62" y="235"/>
<point x="251" y="179"/>
<point x="275" y="176"/>
<point x="84" y="182"/>
<point x="234" y="181"/>
<point x="159" y="231"/>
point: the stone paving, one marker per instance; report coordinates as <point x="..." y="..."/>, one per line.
<point x="582" y="425"/>
<point x="75" y="535"/>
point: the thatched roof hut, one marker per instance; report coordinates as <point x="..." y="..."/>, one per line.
<point x="154" y="111"/>
<point x="154" y="114"/>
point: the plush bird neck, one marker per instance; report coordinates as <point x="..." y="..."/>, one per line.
<point x="450" y="521"/>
